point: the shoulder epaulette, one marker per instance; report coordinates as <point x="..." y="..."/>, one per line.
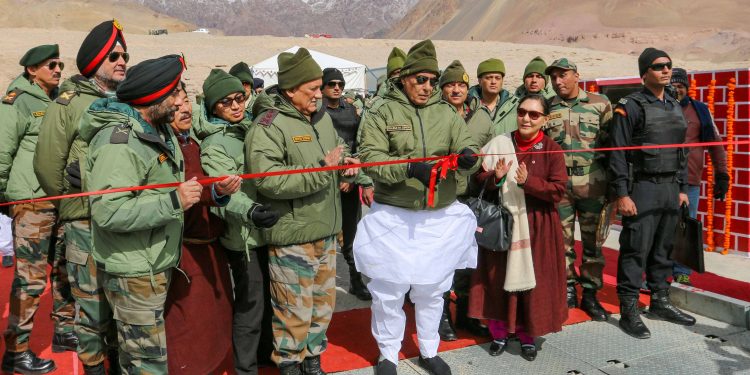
<point x="66" y="97"/>
<point x="120" y="134"/>
<point x="268" y="117"/>
<point x="12" y="96"/>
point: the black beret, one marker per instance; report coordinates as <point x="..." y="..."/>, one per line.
<point x="101" y="40"/>
<point x="38" y="54"/>
<point x="150" y="81"/>
<point x="647" y="57"/>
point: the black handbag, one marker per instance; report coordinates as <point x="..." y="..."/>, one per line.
<point x="688" y="242"/>
<point x="494" y="222"/>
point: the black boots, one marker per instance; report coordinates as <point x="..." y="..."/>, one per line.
<point x="630" y="318"/>
<point x="95" y="370"/>
<point x="463" y="321"/>
<point x="26" y="363"/>
<point x="357" y="287"/>
<point x="572" y="296"/>
<point x="591" y="306"/>
<point x="62" y="342"/>
<point x="446" y="330"/>
<point x="434" y="365"/>
<point x="290" y="369"/>
<point x="662" y="308"/>
<point x="311" y="366"/>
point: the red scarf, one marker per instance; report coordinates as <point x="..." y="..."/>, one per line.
<point x="524" y="145"/>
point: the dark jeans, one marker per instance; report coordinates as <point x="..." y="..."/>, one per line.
<point x="351" y="210"/>
<point x="252" y="337"/>
<point x="646" y="239"/>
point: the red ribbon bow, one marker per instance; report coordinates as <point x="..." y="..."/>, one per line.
<point x="448" y="163"/>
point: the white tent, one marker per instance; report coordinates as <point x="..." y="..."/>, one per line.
<point x="354" y="73"/>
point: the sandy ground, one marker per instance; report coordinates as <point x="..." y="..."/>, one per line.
<point x="205" y="51"/>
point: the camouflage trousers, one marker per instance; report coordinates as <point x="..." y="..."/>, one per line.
<point x="138" y="309"/>
<point x="94" y="326"/>
<point x="34" y="234"/>
<point x="584" y="199"/>
<point x="303" y="296"/>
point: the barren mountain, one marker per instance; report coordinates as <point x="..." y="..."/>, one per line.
<point x="340" y="18"/>
<point x="717" y="30"/>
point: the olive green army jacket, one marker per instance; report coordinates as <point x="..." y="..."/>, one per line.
<point x="547" y="92"/>
<point x="59" y="144"/>
<point x="21" y="113"/>
<point x="134" y="233"/>
<point x="395" y="129"/>
<point x="485" y="125"/>
<point x="280" y="139"/>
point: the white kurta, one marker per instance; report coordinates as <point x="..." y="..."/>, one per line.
<point x="6" y="236"/>
<point x="415" y="247"/>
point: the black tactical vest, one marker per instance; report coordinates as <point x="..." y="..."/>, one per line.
<point x="659" y="126"/>
<point x="346" y="123"/>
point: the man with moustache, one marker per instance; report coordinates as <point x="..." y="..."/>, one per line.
<point x="494" y="107"/>
<point x="34" y="228"/>
<point x="650" y="185"/>
<point x="454" y="83"/>
<point x="535" y="80"/>
<point x="102" y="60"/>
<point x="137" y="234"/>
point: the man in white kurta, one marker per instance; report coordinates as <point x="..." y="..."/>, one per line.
<point x="404" y="243"/>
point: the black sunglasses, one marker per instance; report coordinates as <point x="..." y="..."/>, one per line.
<point x="226" y="102"/>
<point x="54" y="64"/>
<point x="660" y="66"/>
<point x="114" y="56"/>
<point x="421" y="80"/>
<point x="534" y="115"/>
<point x="333" y="84"/>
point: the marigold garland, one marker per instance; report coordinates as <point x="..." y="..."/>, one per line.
<point x="730" y="156"/>
<point x="711" y="246"/>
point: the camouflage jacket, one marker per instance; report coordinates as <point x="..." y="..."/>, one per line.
<point x="580" y="124"/>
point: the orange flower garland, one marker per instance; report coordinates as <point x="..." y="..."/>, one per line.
<point x="730" y="156"/>
<point x="710" y="178"/>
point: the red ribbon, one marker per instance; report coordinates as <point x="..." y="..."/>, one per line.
<point x="447" y="163"/>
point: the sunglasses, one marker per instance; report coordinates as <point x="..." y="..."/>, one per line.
<point x="333" y="84"/>
<point x="226" y="102"/>
<point x="660" y="66"/>
<point x="421" y="80"/>
<point x="114" y="56"/>
<point x="533" y="115"/>
<point x="54" y="64"/>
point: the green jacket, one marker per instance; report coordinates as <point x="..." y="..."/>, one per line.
<point x="484" y="125"/>
<point x="59" y="144"/>
<point x="281" y="138"/>
<point x="547" y="92"/>
<point x="21" y="112"/>
<point x="396" y="130"/>
<point x="222" y="153"/>
<point x="134" y="233"/>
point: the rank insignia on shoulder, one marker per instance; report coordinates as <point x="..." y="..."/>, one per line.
<point x="120" y="134"/>
<point x="621" y="111"/>
<point x="162" y="158"/>
<point x="11" y="96"/>
<point x="65" y="97"/>
<point x="302" y="138"/>
<point x="268" y="118"/>
<point x="623" y="101"/>
<point x="38" y="113"/>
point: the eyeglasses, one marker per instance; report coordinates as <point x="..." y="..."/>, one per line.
<point x="54" y="64"/>
<point x="660" y="66"/>
<point x="114" y="56"/>
<point x="533" y="115"/>
<point x="421" y="80"/>
<point x="333" y="84"/>
<point x="227" y="102"/>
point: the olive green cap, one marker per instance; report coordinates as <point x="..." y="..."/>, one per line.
<point x="421" y="58"/>
<point x="491" y="66"/>
<point x="536" y="65"/>
<point x="563" y="64"/>
<point x="395" y="60"/>
<point x="297" y="68"/>
<point x="218" y="85"/>
<point x="38" y="54"/>
<point x="455" y="72"/>
<point x="243" y="72"/>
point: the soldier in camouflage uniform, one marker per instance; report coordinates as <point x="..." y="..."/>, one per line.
<point x="102" y="61"/>
<point x="291" y="133"/>
<point x="580" y="120"/>
<point x="34" y="224"/>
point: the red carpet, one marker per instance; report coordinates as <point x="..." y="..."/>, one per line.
<point x="351" y="346"/>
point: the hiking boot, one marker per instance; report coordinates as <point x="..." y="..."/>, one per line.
<point x="683" y="279"/>
<point x="662" y="308"/>
<point x="311" y="366"/>
<point x="64" y="342"/>
<point x="591" y="306"/>
<point x="434" y="365"/>
<point x="26" y="363"/>
<point x="446" y="330"/>
<point x="572" y="296"/>
<point x="630" y="318"/>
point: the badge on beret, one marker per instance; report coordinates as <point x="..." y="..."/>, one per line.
<point x="116" y="25"/>
<point x="465" y="77"/>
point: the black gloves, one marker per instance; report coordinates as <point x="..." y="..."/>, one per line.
<point x="420" y="171"/>
<point x="466" y="158"/>
<point x="74" y="174"/>
<point x="721" y="186"/>
<point x="263" y="216"/>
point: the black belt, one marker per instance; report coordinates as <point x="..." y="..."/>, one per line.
<point x="656" y="178"/>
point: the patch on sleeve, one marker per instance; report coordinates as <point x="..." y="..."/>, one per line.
<point x="621" y="111"/>
<point x="398" y="128"/>
<point x="268" y="118"/>
<point x="120" y="134"/>
<point x="65" y="97"/>
<point x="12" y="96"/>
<point x="302" y="138"/>
<point x="38" y="113"/>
